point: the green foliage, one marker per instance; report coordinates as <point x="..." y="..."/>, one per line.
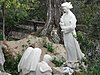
<point x="95" y="28"/>
<point x="19" y="11"/>
<point x="1" y="36"/>
<point x="24" y="46"/>
<point x="39" y="12"/>
<point x="48" y="45"/>
<point x="88" y="13"/>
<point x="93" y="69"/>
<point x="16" y="11"/>
<point x="88" y="46"/>
<point x="84" y="12"/>
<point x="29" y="42"/>
<point x="57" y="63"/>
<point x="11" y="64"/>
<point x="44" y="42"/>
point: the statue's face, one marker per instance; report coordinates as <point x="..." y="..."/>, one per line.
<point x="65" y="9"/>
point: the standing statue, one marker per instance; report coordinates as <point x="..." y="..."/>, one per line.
<point x="68" y="25"/>
<point x="2" y="59"/>
<point x="29" y="61"/>
<point x="43" y="68"/>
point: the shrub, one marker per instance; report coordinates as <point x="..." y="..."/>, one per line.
<point x="1" y="36"/>
<point x="57" y="63"/>
<point x="48" y="45"/>
<point x="11" y="64"/>
<point x="88" y="46"/>
<point x="93" y="68"/>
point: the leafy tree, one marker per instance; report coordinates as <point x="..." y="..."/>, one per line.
<point x="39" y="12"/>
<point x="95" y="28"/>
<point x="16" y="11"/>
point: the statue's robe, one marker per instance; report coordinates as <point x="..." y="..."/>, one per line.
<point x="74" y="53"/>
<point x="29" y="61"/>
<point x="43" y="69"/>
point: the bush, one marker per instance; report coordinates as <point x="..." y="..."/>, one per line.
<point x="57" y="63"/>
<point x="48" y="45"/>
<point x="1" y="36"/>
<point x="11" y="64"/>
<point x="93" y="68"/>
<point x="88" y="46"/>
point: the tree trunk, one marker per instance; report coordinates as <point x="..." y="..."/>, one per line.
<point x="53" y="18"/>
<point x="3" y="14"/>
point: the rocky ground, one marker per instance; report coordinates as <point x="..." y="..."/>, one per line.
<point x="18" y="47"/>
<point x="12" y="48"/>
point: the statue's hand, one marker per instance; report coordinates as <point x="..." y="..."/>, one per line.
<point x="62" y="30"/>
<point x="61" y="24"/>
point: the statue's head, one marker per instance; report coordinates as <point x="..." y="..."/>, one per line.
<point x="47" y="58"/>
<point x="66" y="6"/>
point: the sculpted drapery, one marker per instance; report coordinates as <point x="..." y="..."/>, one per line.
<point x="68" y="25"/>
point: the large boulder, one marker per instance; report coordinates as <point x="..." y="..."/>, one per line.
<point x="12" y="48"/>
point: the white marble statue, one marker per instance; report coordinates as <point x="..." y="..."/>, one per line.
<point x="2" y="59"/>
<point x="29" y="61"/>
<point x="68" y="25"/>
<point x="43" y="68"/>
